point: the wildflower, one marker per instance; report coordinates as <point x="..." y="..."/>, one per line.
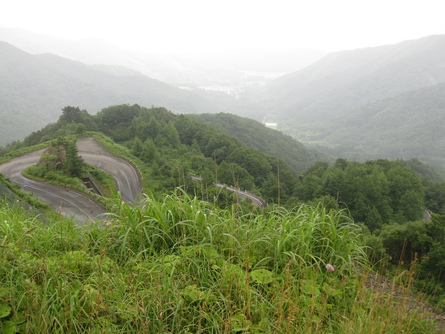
<point x="330" y="267"/>
<point x="106" y="223"/>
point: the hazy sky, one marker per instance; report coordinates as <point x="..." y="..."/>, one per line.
<point x="184" y="25"/>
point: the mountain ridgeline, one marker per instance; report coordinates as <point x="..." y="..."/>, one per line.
<point x="34" y="88"/>
<point x="269" y="141"/>
<point x="382" y="102"/>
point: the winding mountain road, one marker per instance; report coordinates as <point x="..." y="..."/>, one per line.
<point x="257" y="201"/>
<point x="125" y="174"/>
<point x="67" y="202"/>
<point x="81" y="207"/>
<point x="71" y="203"/>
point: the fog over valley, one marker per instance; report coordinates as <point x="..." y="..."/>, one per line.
<point x="315" y="71"/>
<point x="222" y="167"/>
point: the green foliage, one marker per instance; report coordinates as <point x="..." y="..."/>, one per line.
<point x="419" y="245"/>
<point x="171" y="149"/>
<point x="376" y="192"/>
<point x="182" y="266"/>
<point x="74" y="163"/>
<point x="269" y="141"/>
<point x="63" y="156"/>
<point x="174" y="148"/>
<point x="406" y="242"/>
<point x="74" y="114"/>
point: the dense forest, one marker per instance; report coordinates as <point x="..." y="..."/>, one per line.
<point x="269" y="141"/>
<point x="174" y="148"/>
<point x="398" y="204"/>
<point x="401" y="202"/>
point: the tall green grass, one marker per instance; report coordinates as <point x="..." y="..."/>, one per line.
<point x="181" y="265"/>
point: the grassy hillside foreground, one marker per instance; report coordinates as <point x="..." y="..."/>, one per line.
<point x="183" y="266"/>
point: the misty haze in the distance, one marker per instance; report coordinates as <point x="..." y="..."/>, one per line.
<point x="200" y="26"/>
<point x="155" y="37"/>
<point x="223" y="68"/>
<point x="285" y="166"/>
<point x="215" y="45"/>
<point x="357" y="80"/>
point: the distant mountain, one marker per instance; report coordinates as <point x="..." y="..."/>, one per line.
<point x="411" y="124"/>
<point x="231" y="67"/>
<point x="34" y="89"/>
<point x="258" y="136"/>
<point x="368" y="102"/>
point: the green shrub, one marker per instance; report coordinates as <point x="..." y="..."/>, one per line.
<point x="181" y="265"/>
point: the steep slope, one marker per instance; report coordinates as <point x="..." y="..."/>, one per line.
<point x="33" y="90"/>
<point x="269" y="141"/>
<point x="173" y="148"/>
<point x="363" y="75"/>
<point x="411" y="124"/>
<point x="329" y="103"/>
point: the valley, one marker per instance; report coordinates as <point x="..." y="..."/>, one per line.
<point x="359" y="104"/>
<point x="222" y="223"/>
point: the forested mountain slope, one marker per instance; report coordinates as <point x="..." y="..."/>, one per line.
<point x="173" y="148"/>
<point x="411" y="124"/>
<point x="386" y="196"/>
<point x="330" y="102"/>
<point x="269" y="141"/>
<point x="34" y="88"/>
<point x="358" y="76"/>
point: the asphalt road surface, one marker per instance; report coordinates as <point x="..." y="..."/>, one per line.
<point x="244" y="194"/>
<point x="125" y="174"/>
<point x="68" y="202"/>
<point x="71" y="203"/>
<point x="81" y="207"/>
<point x="257" y="201"/>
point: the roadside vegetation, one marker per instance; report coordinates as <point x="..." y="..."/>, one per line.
<point x="61" y="165"/>
<point x="181" y="265"/>
<point x="195" y="258"/>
